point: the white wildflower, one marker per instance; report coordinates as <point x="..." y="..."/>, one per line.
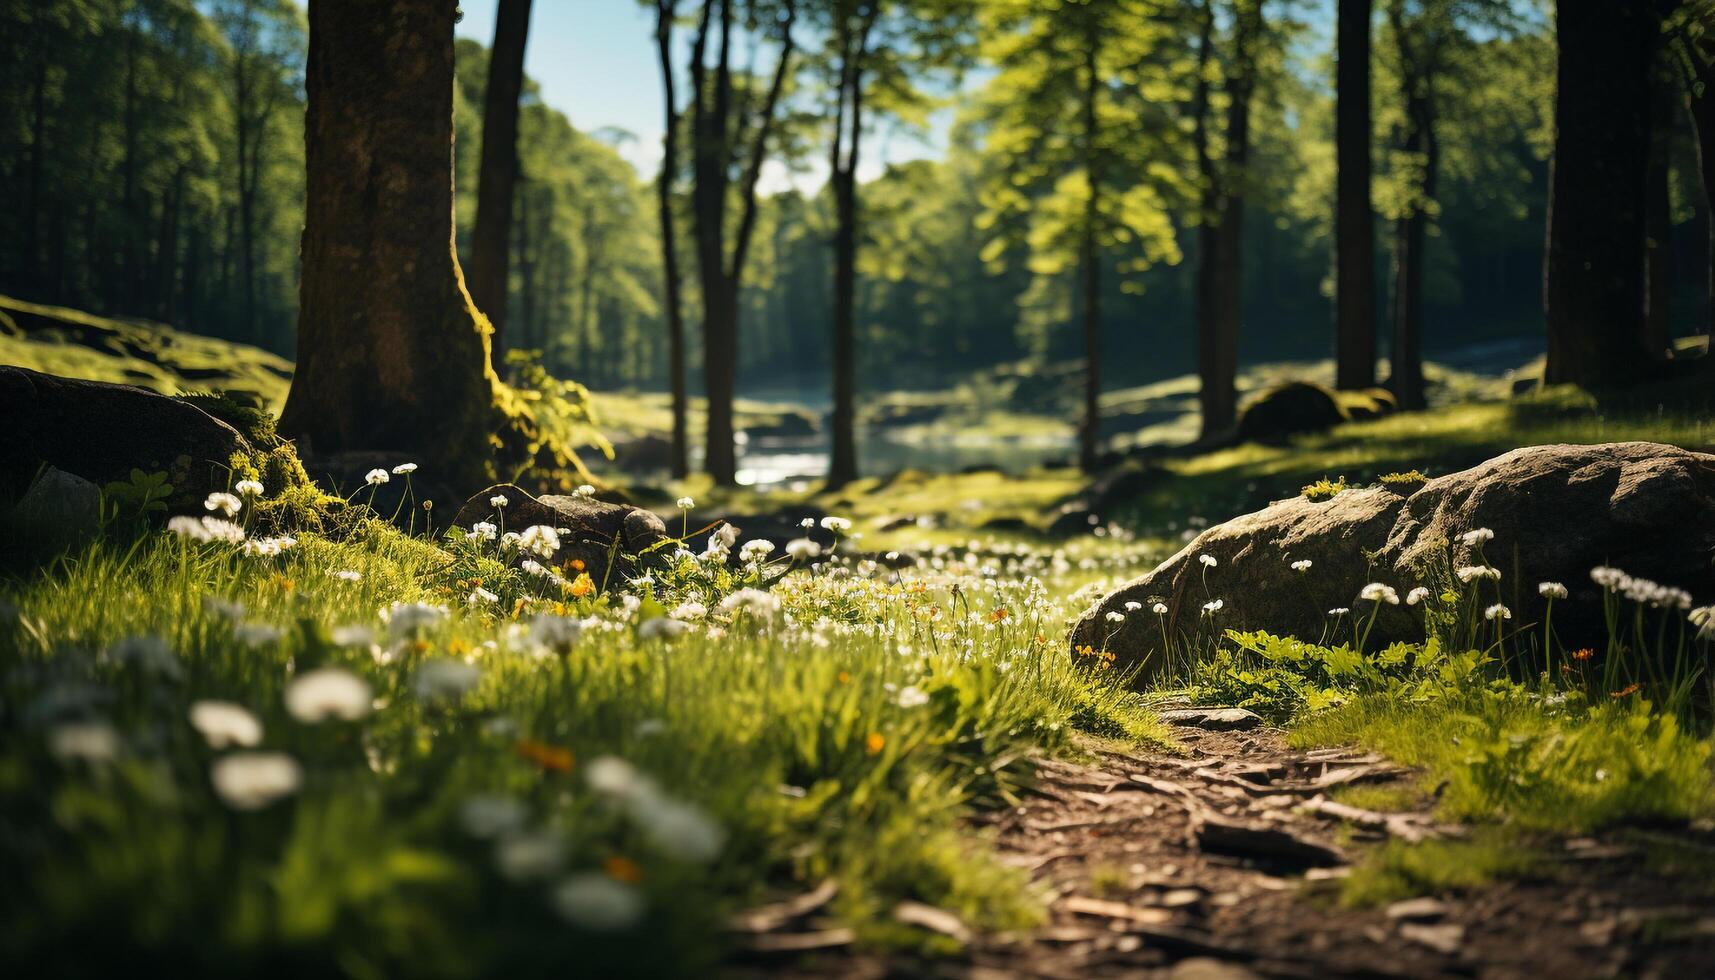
<point x="376" y="477"/>
<point x="247" y="488"/>
<point x="1477" y="536"/>
<point x="252" y="780"/>
<point x="802" y="549"/>
<point x="1551" y="590"/>
<point x="225" y="725"/>
<point x="353" y="636"/>
<point x="1115" y="617"/>
<point x="85" y="741"/>
<point x="1416" y="596"/>
<point x="1208" y="561"/>
<point x="482" y="531"/>
<point x="682" y="831"/>
<point x="661" y="627"/>
<point x="1213" y="607"/>
<point x="150" y="654"/>
<point x="487" y="816"/>
<point x="256" y="635"/>
<point x="1377" y="592"/>
<point x="1338" y="611"/>
<point x="556" y="633"/>
<point x="346" y="575"/>
<point x="226" y="503"/>
<point x="689" y="611"/>
<point x="404" y="618"/>
<point x="755" y="550"/>
<point x="521" y="857"/>
<point x="1468" y="573"/>
<point x="480" y="595"/>
<point x="911" y="696"/>
<point x="838" y="525"/>
<point x="223" y="608"/>
<point x="685" y="503"/>
<point x="584" y="490"/>
<point x="498" y="501"/>
<point x="328" y="692"/>
<point x="444" y="678"/>
<point x="404" y="469"/>
<point x="1497" y="611"/>
<point x="540" y="539"/>
<point x="1302" y="565"/>
<point x="1160" y="609"/>
<point x="598" y="903"/>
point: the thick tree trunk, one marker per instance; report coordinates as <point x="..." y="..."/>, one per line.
<point x="488" y="241"/>
<point x="1593" y="285"/>
<point x="1090" y="262"/>
<point x="392" y="353"/>
<point x="1220" y="408"/>
<point x="1354" y="235"/>
<point x="680" y="463"/>
<point x="1410" y="233"/>
<point x="1658" y="224"/>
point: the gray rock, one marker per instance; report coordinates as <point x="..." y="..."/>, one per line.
<point x="59" y="511"/>
<point x="101" y="432"/>
<point x="1213" y="719"/>
<point x="592" y="528"/>
<point x="1417" y="910"/>
<point x="1556" y="512"/>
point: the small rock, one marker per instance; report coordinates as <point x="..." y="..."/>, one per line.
<point x="1446" y="939"/>
<point x="1417" y="909"/>
<point x="1213" y="719"/>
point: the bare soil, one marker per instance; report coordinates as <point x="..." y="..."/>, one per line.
<point x="1224" y="862"/>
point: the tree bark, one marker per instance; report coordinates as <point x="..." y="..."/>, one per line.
<point x="392" y="353"/>
<point x="1210" y="397"/>
<point x="711" y="127"/>
<point x="1658" y="224"/>
<point x="1594" y="266"/>
<point x="680" y="462"/>
<point x="489" y="254"/>
<point x="1701" y="105"/>
<point x="1354" y="236"/>
<point x="1220" y="403"/>
<point x="1411" y="230"/>
<point x="1089" y="260"/>
<point x="848" y="134"/>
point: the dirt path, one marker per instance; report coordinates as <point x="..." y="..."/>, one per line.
<point x="1222" y="863"/>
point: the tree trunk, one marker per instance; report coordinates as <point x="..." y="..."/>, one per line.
<point x="848" y="130"/>
<point x="1410" y="233"/>
<point x="1221" y="403"/>
<point x="680" y="462"/>
<point x="392" y="353"/>
<point x="1214" y="400"/>
<point x="1701" y="105"/>
<point x="1354" y="237"/>
<point x="489" y="239"/>
<point x="1593" y="291"/>
<point x="1658" y="224"/>
<point x="1090" y="261"/>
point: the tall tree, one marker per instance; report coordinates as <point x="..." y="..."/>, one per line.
<point x="680" y="463"/>
<point x="853" y="21"/>
<point x="1219" y="359"/>
<point x="392" y="353"/>
<point x="490" y="251"/>
<point x="1593" y="291"/>
<point x="1354" y="228"/>
<point x="1077" y="147"/>
<point x="722" y="116"/>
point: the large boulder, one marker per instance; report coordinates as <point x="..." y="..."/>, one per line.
<point x="1556" y="513"/>
<point x="589" y="528"/>
<point x="101" y="432"/>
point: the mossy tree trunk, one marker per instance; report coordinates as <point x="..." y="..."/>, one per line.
<point x="392" y="353"/>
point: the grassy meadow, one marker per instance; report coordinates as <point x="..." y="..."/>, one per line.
<point x="236" y="744"/>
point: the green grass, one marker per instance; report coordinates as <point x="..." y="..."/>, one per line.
<point x="1397" y="870"/>
<point x="843" y="737"/>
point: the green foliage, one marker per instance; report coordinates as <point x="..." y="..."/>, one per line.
<point x="135" y="500"/>
<point x="1397" y="870"/>
<point x="1325" y="489"/>
<point x="846" y="743"/>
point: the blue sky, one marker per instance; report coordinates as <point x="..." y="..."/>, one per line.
<point x="595" y="61"/>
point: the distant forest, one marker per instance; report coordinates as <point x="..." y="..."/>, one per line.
<point x="152" y="155"/>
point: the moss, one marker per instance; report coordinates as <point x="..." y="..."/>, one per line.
<point x="1398" y="870"/>
<point x="1325" y="489"/>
